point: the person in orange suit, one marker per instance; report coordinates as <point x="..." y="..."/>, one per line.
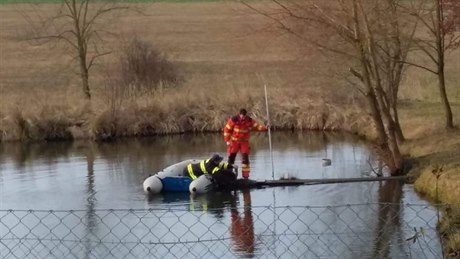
<point x="242" y="227"/>
<point x="236" y="136"/>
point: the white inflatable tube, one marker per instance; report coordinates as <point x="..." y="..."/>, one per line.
<point x="201" y="185"/>
<point x="153" y="184"/>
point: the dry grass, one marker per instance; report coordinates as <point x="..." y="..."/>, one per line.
<point x="449" y="228"/>
<point x="423" y="124"/>
<point x="447" y="189"/>
<point x="453" y="246"/>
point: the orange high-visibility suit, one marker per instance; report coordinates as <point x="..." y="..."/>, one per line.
<point x="236" y="135"/>
<point x="242" y="229"/>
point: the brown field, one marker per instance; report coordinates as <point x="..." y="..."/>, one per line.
<point x="225" y="54"/>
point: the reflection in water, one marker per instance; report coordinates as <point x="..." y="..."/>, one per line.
<point x="173" y="145"/>
<point x="91" y="217"/>
<point x="26" y="154"/>
<point x="175" y="198"/>
<point x="242" y="227"/>
<point x="154" y="151"/>
<point x="216" y="204"/>
<point x="389" y="219"/>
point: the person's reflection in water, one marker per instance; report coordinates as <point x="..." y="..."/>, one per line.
<point x="242" y="227"/>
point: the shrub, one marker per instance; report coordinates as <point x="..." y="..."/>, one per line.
<point x="144" y="69"/>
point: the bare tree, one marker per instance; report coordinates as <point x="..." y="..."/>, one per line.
<point x="373" y="37"/>
<point x="441" y="19"/>
<point x="76" y="25"/>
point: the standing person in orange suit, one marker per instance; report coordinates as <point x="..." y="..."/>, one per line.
<point x="236" y="136"/>
<point x="242" y="228"/>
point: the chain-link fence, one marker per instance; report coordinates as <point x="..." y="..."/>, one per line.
<point x="379" y="230"/>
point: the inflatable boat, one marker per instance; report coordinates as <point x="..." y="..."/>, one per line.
<point x="172" y="179"/>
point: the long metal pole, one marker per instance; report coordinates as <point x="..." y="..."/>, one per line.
<point x="269" y="131"/>
<point x="273" y="167"/>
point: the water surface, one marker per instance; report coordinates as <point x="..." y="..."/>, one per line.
<point x="370" y="219"/>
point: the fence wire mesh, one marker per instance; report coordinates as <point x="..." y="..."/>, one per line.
<point x="380" y="230"/>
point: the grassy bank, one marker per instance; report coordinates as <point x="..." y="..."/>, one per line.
<point x="225" y="55"/>
<point x="169" y="116"/>
<point x="435" y="157"/>
<point x="438" y="179"/>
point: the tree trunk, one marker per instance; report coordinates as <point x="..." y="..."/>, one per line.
<point x="396" y="81"/>
<point x="381" y="104"/>
<point x="440" y="46"/>
<point x="377" y="118"/>
<point x="394" y="148"/>
<point x="82" y="44"/>
<point x="84" y="73"/>
<point x="85" y="81"/>
<point x="444" y="99"/>
<point x="394" y="160"/>
<point x="398" y="131"/>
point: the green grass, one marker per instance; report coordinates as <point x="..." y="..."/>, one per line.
<point x="107" y="1"/>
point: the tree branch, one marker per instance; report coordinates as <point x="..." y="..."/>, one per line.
<point x="419" y="66"/>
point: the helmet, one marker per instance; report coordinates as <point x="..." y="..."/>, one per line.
<point x="216" y="159"/>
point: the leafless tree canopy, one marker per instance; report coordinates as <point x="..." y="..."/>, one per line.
<point x="440" y="22"/>
<point x="76" y="25"/>
<point x="374" y="36"/>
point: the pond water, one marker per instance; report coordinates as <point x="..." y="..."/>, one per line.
<point x="370" y="219"/>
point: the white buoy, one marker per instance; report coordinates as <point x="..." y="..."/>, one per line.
<point x="153" y="185"/>
<point x="326" y="162"/>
